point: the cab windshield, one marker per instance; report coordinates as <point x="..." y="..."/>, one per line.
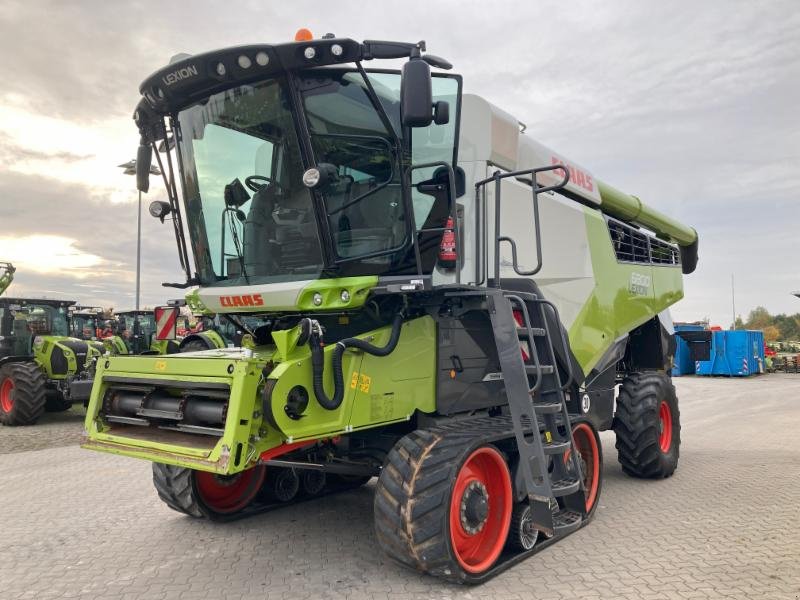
<point x="43" y="319"/>
<point x="250" y="217"/>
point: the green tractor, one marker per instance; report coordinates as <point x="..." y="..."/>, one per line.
<point x="442" y="302"/>
<point x="42" y="367"/>
<point x="88" y="323"/>
<point x="136" y="334"/>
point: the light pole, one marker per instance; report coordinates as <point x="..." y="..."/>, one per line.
<point x="130" y="169"/>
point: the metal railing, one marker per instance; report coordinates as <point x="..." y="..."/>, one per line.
<point x="481" y="255"/>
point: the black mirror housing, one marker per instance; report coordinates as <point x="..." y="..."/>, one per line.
<point x="441" y="112"/>
<point x="416" y="94"/>
<point x="144" y="158"/>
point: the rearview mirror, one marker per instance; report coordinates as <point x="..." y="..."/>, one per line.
<point x="144" y="158"/>
<point x="416" y="94"/>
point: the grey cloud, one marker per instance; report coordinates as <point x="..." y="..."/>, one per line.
<point x="691" y="106"/>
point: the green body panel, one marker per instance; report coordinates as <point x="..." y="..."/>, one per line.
<point x="625" y="296"/>
<point x="331" y="291"/>
<point x="630" y="208"/>
<point x="291" y="297"/>
<point x="243" y="380"/>
<point x="163" y="346"/>
<point x="44" y="346"/>
<point x="214" y="337"/>
<point x="378" y="391"/>
<point x="115" y="345"/>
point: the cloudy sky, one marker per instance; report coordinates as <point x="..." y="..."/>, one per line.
<point x="691" y="106"/>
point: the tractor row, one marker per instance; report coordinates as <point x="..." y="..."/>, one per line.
<point x="49" y="349"/>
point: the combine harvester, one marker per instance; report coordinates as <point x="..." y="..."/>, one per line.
<point x="448" y="306"/>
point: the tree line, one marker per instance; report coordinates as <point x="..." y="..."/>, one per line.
<point x="775" y="327"/>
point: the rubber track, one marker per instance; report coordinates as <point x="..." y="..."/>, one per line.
<point x="636" y="424"/>
<point x="174" y="487"/>
<point x="412" y="498"/>
<point x="29" y="393"/>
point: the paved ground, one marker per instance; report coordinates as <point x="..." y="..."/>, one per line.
<point x="52" y="430"/>
<point x="75" y="524"/>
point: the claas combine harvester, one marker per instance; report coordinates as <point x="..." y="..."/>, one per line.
<point x="446" y="305"/>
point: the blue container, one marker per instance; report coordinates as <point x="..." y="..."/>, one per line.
<point x="684" y="363"/>
<point x="734" y="353"/>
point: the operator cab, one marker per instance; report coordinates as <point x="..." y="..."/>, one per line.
<point x="297" y="165"/>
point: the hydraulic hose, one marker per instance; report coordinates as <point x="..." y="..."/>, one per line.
<point x="318" y="361"/>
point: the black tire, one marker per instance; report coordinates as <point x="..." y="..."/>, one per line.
<point x="194" y="346"/>
<point x="174" y="487"/>
<point x="413" y="500"/>
<point x="638" y="426"/>
<point x="313" y="482"/>
<point x="55" y="402"/>
<point x="23" y="385"/>
<point x="183" y="490"/>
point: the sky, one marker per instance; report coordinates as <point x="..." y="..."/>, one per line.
<point x="691" y="106"/>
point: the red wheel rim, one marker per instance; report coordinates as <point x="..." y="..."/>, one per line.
<point x="589" y="451"/>
<point x="486" y="471"/>
<point x="6" y="399"/>
<point x="227" y="494"/>
<point x="665" y="423"/>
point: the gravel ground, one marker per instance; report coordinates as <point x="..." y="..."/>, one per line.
<point x="77" y="524"/>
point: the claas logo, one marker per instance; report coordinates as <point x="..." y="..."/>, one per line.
<point x="244" y="300"/>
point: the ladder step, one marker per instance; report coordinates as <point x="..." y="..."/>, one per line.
<point x="556" y="447"/>
<point x="566" y="486"/>
<point x="546" y="369"/>
<point x="547" y="408"/>
<point x="522" y="332"/>
<point x="566" y="521"/>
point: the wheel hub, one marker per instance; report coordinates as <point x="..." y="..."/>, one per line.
<point x="474" y="507"/>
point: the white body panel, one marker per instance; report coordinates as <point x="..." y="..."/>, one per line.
<point x="282" y="296"/>
<point x="490" y="140"/>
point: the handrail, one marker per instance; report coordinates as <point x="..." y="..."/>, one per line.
<point x="496" y="177"/>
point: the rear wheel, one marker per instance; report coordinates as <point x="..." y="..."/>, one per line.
<point x="22" y="393"/>
<point x="194" y="346"/>
<point x="647" y="425"/>
<point x="442" y="506"/>
<point x="203" y="494"/>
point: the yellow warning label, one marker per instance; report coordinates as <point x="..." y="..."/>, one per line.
<point x="548" y="436"/>
<point x="354" y="380"/>
<point x="161" y="365"/>
<point x="365" y="383"/>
